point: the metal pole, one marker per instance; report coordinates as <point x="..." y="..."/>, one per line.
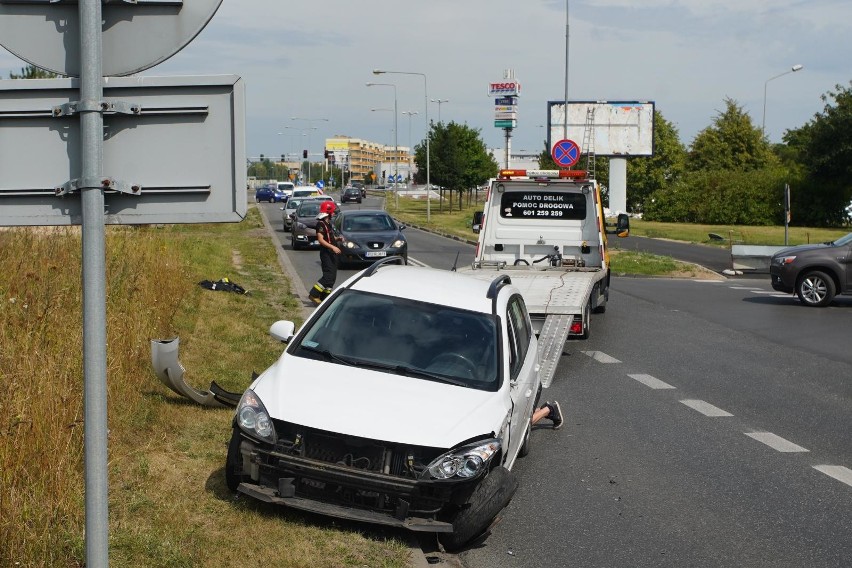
<point x="565" y="121"/>
<point x="395" y="152"/>
<point x="94" y="286"/>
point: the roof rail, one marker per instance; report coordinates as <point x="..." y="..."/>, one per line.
<point x="496" y="284"/>
<point x="379" y="263"/>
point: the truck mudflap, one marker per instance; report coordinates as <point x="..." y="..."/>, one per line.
<point x="552" y="338"/>
<point x="273" y="496"/>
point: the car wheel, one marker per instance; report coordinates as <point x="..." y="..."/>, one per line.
<point x="294" y="243"/>
<point x="489" y="498"/>
<point x="234" y="463"/>
<point x="815" y="289"/>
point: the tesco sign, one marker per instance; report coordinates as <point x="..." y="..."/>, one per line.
<point x="504" y="88"/>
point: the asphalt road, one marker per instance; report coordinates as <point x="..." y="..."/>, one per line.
<point x="707" y="425"/>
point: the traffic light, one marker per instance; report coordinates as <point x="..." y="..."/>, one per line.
<point x="326" y="154"/>
<point x="283" y="158"/>
<point x="305" y="154"/>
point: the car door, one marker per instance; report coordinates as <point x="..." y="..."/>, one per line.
<point x="523" y="373"/>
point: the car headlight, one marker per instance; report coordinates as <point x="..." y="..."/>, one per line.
<point x="464" y="462"/>
<point x="398" y="243"/>
<point x="349" y="245"/>
<point x="253" y="418"/>
<point x="301" y="226"/>
<point x="784" y="260"/>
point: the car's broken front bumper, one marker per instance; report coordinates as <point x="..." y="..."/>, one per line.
<point x="355" y="479"/>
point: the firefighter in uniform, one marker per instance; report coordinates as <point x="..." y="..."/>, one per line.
<point x="328" y="253"/>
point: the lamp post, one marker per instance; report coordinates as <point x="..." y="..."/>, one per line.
<point x="410" y="113"/>
<point x="395" y="135"/>
<point x="440" y="102"/>
<point x="793" y="69"/>
<point x="302" y="131"/>
<point x="426" y="107"/>
<point x="310" y="121"/>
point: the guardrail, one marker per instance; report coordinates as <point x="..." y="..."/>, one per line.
<point x="753" y="258"/>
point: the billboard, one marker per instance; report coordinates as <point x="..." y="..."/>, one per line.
<point x="620" y="128"/>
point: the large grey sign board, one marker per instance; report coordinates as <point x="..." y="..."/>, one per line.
<point x="137" y="34"/>
<point x="620" y="128"/>
<point x="184" y="150"/>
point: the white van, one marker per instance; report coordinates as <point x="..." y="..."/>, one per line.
<point x="287" y="188"/>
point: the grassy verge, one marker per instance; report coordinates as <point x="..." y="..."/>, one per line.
<point x="168" y="502"/>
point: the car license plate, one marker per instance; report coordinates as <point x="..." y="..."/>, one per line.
<point x="374" y="253"/>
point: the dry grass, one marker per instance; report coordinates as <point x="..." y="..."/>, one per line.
<point x="168" y="503"/>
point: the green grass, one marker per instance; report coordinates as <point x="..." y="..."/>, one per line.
<point x="168" y="504"/>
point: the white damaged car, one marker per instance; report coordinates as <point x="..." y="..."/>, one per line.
<point x="403" y="400"/>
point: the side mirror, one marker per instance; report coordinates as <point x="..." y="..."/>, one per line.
<point x="476" y="225"/>
<point x="622" y="225"/>
<point x="282" y="330"/>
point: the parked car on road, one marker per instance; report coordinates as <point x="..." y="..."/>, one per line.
<point x="269" y="193"/>
<point x="369" y="235"/>
<point x="303" y="229"/>
<point x="404" y="400"/>
<point x="350" y="194"/>
<point x="816" y="273"/>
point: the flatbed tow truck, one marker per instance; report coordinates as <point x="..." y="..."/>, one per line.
<point x="546" y="230"/>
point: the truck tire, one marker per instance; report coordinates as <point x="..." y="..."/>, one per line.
<point x="587" y="322"/>
<point x="489" y="498"/>
<point x="600" y="306"/>
<point x="815" y="289"/>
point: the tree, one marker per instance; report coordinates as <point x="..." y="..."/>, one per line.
<point x="458" y="158"/>
<point x="822" y="149"/>
<point x="645" y="175"/>
<point x="33" y="72"/>
<point x="732" y="142"/>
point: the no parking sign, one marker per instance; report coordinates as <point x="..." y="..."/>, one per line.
<point x="565" y="153"/>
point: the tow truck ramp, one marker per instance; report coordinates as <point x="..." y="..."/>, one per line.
<point x="552" y="338"/>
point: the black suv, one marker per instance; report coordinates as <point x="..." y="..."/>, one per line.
<point x="350" y="194"/>
<point x="816" y="273"/>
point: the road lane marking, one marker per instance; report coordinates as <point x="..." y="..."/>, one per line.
<point x="775" y="442"/>
<point x="651" y="382"/>
<point x="743" y="288"/>
<point x="838" y="472"/>
<point x="705" y="408"/>
<point x="601" y="357"/>
<point x="772" y="292"/>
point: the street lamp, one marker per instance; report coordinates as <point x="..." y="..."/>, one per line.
<point x="310" y="121"/>
<point x="410" y="113"/>
<point x="426" y="106"/>
<point x="793" y="69"/>
<point x="439" y="101"/>
<point x="395" y="136"/>
<point x="302" y="130"/>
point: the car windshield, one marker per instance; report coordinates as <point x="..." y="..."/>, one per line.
<point x="308" y="209"/>
<point x="293" y="203"/>
<point x="405" y="337"/>
<point x="363" y="223"/>
<point x="844" y="240"/>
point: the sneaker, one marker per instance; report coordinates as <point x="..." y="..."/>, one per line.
<point x="555" y="414"/>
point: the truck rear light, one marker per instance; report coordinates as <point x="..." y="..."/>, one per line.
<point x="576" y="326"/>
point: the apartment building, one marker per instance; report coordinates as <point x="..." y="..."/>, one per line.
<point x="363" y="156"/>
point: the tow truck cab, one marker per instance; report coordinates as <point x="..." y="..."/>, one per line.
<point x="545" y="216"/>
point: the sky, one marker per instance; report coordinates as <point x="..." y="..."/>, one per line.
<point x="312" y="60"/>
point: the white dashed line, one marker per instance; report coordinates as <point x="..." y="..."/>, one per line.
<point x="743" y="288"/>
<point x="651" y="382"/>
<point x="838" y="472"/>
<point x="770" y="292"/>
<point x="705" y="408"/>
<point x="601" y="357"/>
<point x="777" y="443"/>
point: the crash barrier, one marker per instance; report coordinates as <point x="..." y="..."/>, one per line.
<point x="753" y="258"/>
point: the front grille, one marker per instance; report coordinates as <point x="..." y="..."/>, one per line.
<point x="359" y="472"/>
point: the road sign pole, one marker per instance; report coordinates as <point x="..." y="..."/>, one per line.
<point x="94" y="286"/>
